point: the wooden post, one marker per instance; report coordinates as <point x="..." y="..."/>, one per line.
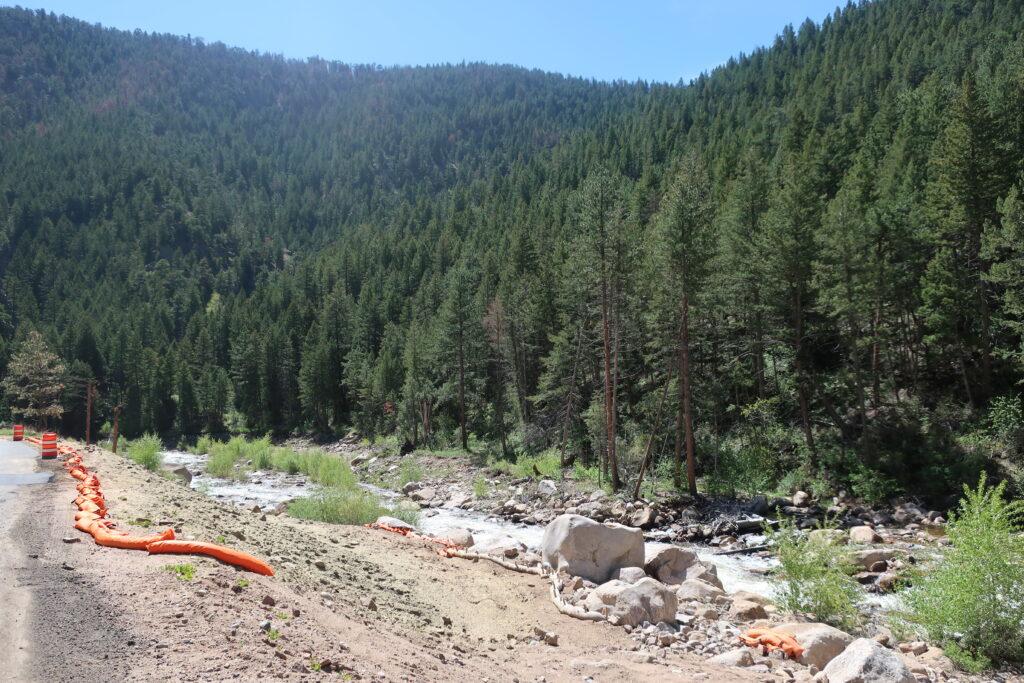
<point x="90" y="389"/>
<point x="114" y="433"/>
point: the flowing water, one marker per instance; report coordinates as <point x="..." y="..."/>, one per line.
<point x="269" y="488"/>
<point x="264" y="488"/>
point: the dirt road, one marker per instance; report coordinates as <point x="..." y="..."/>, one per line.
<point x="347" y="603"/>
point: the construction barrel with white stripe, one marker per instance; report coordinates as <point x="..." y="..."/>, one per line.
<point x="48" y="445"/>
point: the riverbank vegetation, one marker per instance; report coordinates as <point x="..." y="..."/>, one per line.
<point x="338" y="498"/>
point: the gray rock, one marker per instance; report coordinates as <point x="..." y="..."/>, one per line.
<point x="740" y="657"/>
<point x="669" y="564"/>
<point x="865" y="559"/>
<point x="705" y="572"/>
<point x="631" y="574"/>
<point x="864" y="535"/>
<point x="642" y="518"/>
<point x="801" y="499"/>
<point x="821" y="642"/>
<point x="632" y="604"/>
<point x="458" y="536"/>
<point x="746" y="610"/>
<point x="501" y="546"/>
<point x="694" y="589"/>
<point x="424" y="495"/>
<point x="583" y="547"/>
<point x="546" y="487"/>
<point x="865" y="661"/>
<point x="394" y="522"/>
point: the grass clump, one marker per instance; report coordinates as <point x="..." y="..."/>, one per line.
<point x="224" y="456"/>
<point x="816" y="575"/>
<point x="185" y="571"/>
<point x="480" y="487"/>
<point x="347" y="506"/>
<point x="409" y="471"/>
<point x="972" y="601"/>
<point x="145" y="450"/>
<point x="204" y="444"/>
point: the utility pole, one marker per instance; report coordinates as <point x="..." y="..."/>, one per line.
<point x="90" y="390"/>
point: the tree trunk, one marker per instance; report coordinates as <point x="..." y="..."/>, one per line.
<point x="609" y="406"/>
<point x="802" y="392"/>
<point x="758" y="346"/>
<point x="650" y="439"/>
<point x="462" y="393"/>
<point x="684" y="375"/>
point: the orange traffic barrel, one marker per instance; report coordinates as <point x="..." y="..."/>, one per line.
<point x="49" y="445"/>
<point x="19" y="433"/>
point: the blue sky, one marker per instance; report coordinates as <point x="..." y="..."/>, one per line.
<point x="664" y="40"/>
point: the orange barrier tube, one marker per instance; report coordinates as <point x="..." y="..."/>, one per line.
<point x="768" y="639"/>
<point x="228" y="555"/>
<point x="106" y="537"/>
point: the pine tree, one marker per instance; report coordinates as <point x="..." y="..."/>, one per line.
<point x="685" y="250"/>
<point x="35" y="381"/>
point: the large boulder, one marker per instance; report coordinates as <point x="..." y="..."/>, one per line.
<point x="740" y="657"/>
<point x="703" y="571"/>
<point x="500" y="546"/>
<point x="458" y="536"/>
<point x="864" y="535"/>
<point x="866" y="559"/>
<point x="669" y="564"/>
<point x="394" y="522"/>
<point x="701" y="591"/>
<point x="585" y="548"/>
<point x="747" y="610"/>
<point x="865" y="661"/>
<point x="821" y="642"/>
<point x="628" y="604"/>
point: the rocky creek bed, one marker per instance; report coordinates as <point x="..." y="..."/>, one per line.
<point x="699" y="606"/>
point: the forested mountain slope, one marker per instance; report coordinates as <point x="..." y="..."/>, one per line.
<point x="824" y="239"/>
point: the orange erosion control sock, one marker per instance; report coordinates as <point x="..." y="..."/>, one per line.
<point x="769" y="640"/>
<point x="228" y="555"/>
<point x="92" y="511"/>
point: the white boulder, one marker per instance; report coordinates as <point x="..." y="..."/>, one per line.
<point x="865" y="661"/>
<point x="821" y="642"/>
<point x="669" y="564"/>
<point x="701" y="591"/>
<point x="594" y="551"/>
<point x="627" y="604"/>
<point x="864" y="535"/>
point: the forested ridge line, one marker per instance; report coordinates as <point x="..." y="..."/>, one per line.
<point x="814" y="252"/>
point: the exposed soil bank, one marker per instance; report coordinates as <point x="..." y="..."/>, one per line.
<point x="364" y="604"/>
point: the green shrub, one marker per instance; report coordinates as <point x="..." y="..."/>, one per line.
<point x="223" y="457"/>
<point x="480" y="487"/>
<point x="347" y="506"/>
<point x="871" y="486"/>
<point x="260" y="453"/>
<point x="815" y="573"/>
<point x="204" y="444"/>
<point x="1006" y="422"/>
<point x="409" y="471"/>
<point x="972" y="601"/>
<point x="548" y="464"/>
<point x="145" y="450"/>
